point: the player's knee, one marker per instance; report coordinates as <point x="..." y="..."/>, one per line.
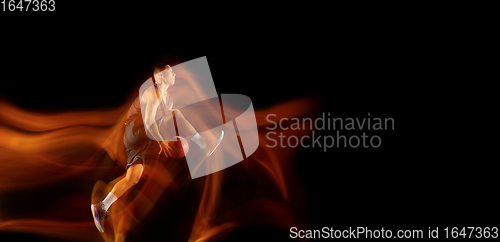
<point x="133" y="175"/>
<point x="136" y="180"/>
<point x="177" y="113"/>
<point x="131" y="181"/>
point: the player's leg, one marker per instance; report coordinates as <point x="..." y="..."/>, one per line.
<point x="100" y="210"/>
<point x="134" y="173"/>
<point x="187" y="130"/>
<point x="184" y="128"/>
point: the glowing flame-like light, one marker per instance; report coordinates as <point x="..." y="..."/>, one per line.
<point x="41" y="149"/>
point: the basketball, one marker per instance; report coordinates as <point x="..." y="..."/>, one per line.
<point x="179" y="148"/>
<point x="184" y="145"/>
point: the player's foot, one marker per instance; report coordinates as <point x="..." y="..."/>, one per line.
<point x="211" y="151"/>
<point x="199" y="140"/>
<point x="99" y="215"/>
<point x="196" y="154"/>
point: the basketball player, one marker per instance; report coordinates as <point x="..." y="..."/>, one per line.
<point x="144" y="129"/>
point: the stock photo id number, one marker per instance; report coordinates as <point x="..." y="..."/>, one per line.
<point x="28" y="5"/>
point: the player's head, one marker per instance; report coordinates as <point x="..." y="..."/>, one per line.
<point x="163" y="74"/>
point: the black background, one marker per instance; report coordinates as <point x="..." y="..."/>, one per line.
<point x="428" y="172"/>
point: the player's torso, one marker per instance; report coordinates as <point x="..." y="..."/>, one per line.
<point x="166" y="101"/>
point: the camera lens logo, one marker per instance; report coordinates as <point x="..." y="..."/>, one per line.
<point x="196" y="99"/>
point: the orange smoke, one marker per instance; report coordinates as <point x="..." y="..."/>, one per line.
<point x="38" y="150"/>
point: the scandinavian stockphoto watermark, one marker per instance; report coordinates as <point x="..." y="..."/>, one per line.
<point x="350" y="132"/>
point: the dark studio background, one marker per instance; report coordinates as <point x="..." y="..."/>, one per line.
<point x="84" y="58"/>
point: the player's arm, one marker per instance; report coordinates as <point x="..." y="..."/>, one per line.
<point x="152" y="102"/>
